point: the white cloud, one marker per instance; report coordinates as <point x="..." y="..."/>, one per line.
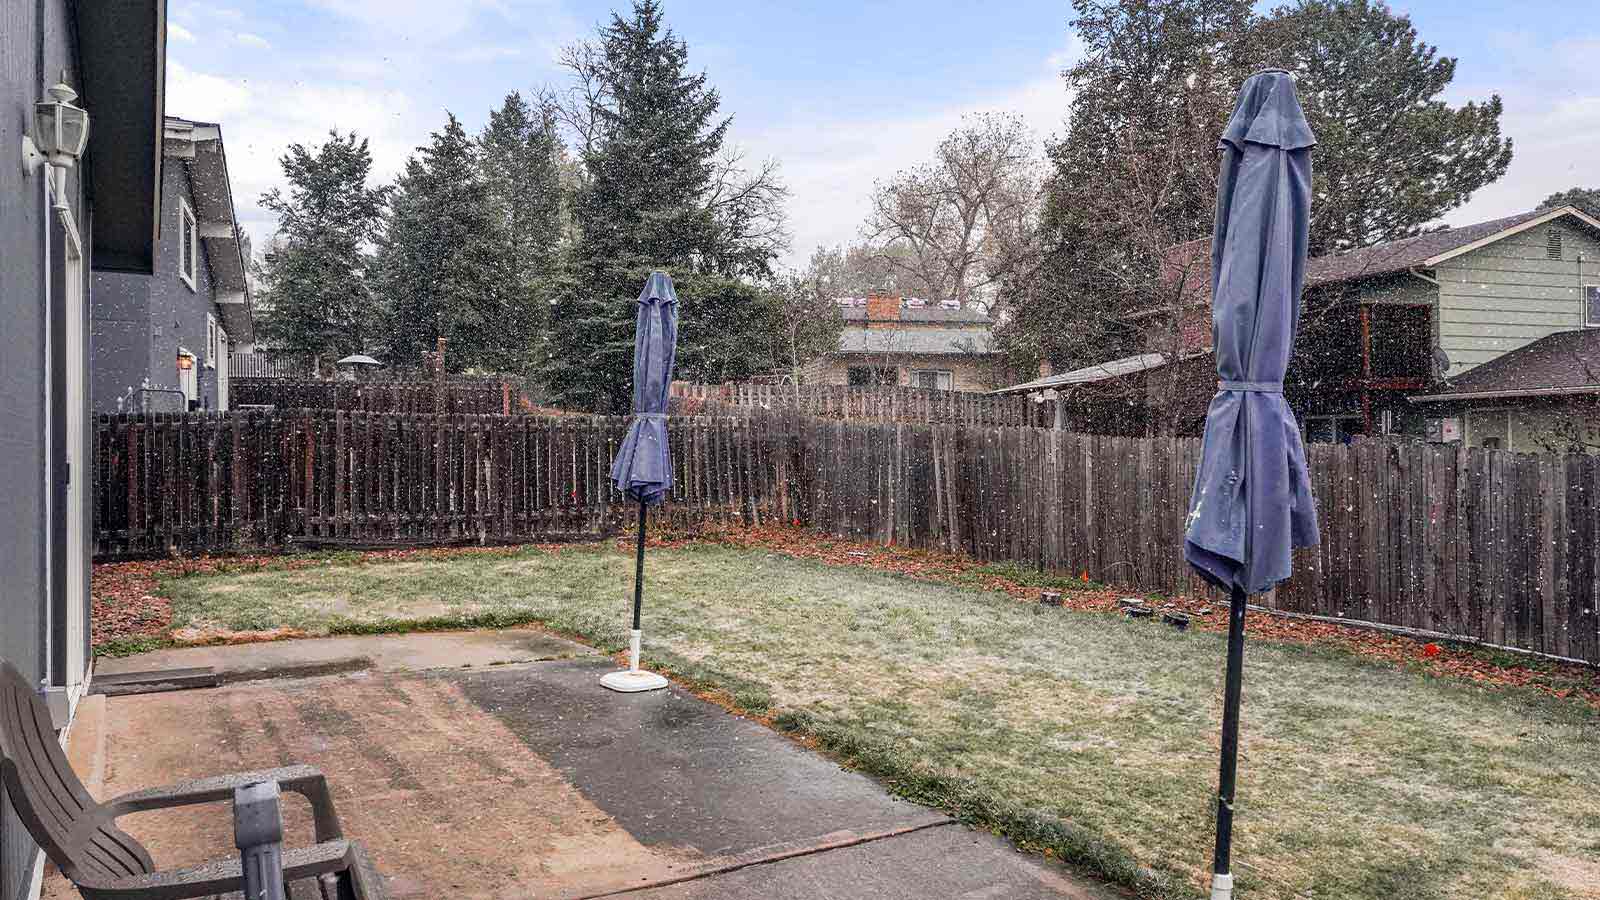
<point x="176" y="32"/>
<point x="261" y="119"/>
<point x="830" y="165"/>
<point x="1552" y="115"/>
<point x="252" y="40"/>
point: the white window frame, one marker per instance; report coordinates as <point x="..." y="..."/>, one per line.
<point x="944" y="379"/>
<point x="211" y="341"/>
<point x="1590" y="296"/>
<point x="188" y="244"/>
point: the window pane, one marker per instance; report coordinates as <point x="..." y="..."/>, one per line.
<point x="1592" y="304"/>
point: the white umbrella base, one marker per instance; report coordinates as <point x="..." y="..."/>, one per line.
<point x="1221" y="887"/>
<point x="633" y="682"/>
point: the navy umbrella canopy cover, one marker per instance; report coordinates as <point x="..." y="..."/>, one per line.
<point x="1252" y="498"/>
<point x="643" y="468"/>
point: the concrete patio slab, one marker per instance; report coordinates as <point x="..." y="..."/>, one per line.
<point x="532" y="780"/>
<point x="379" y="652"/>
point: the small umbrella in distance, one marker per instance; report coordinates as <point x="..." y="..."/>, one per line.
<point x="643" y="466"/>
<point x="1252" y="498"/>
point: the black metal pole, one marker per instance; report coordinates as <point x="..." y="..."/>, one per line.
<point x="638" y="571"/>
<point x="1230" y="733"/>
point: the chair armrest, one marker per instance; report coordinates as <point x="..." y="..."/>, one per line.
<point x="303" y="780"/>
<point x="218" y="877"/>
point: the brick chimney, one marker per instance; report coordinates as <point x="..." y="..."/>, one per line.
<point x="883" y="311"/>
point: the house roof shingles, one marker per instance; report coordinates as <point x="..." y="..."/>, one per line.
<point x="1403" y="254"/>
<point x="922" y="315"/>
<point x="922" y="341"/>
<point x="1567" y="362"/>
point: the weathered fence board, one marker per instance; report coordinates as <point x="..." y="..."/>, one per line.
<point x="1483" y="544"/>
<point x="454" y="396"/>
<point x="886" y="403"/>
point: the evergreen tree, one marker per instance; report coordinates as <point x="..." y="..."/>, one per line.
<point x="656" y="192"/>
<point x="1391" y="155"/>
<point x="521" y="154"/>
<point x="316" y="291"/>
<point x="442" y="272"/>
<point x="1586" y="199"/>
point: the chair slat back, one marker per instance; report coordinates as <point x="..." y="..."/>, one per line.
<point x="47" y="795"/>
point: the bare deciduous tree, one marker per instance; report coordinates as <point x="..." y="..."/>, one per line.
<point x="967" y="220"/>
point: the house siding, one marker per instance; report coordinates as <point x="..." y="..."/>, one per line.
<point x="140" y="321"/>
<point x="33" y="52"/>
<point x="1508" y="294"/>
<point x="967" y="373"/>
<point x="1530" y="426"/>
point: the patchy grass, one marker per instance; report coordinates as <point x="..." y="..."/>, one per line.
<point x="1076" y="733"/>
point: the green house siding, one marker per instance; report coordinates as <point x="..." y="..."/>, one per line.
<point x="1509" y="293"/>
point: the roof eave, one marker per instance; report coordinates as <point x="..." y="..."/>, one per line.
<point x="1504" y="233"/>
<point x="122" y="58"/>
<point x="1575" y="390"/>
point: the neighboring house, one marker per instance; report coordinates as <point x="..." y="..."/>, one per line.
<point x="911" y="342"/>
<point x="1382" y="328"/>
<point x="161" y="340"/>
<point x="55" y="223"/>
<point x="1543" y="397"/>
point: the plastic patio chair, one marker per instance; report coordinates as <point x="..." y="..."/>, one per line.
<point x="81" y="837"/>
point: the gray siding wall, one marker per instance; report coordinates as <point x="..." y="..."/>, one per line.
<point x="32" y="54"/>
<point x="120" y="344"/>
<point x="1508" y="294"/>
<point x="140" y="321"/>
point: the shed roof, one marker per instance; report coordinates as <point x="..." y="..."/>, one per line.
<point x="1567" y="362"/>
<point x="1115" y="368"/>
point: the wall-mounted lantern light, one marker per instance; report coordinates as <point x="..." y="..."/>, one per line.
<point x="60" y="132"/>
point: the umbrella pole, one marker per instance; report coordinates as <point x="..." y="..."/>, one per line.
<point x="1222" y="877"/>
<point x="631" y="679"/>
<point x="638" y="594"/>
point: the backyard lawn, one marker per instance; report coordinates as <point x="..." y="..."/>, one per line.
<point x="1078" y="733"/>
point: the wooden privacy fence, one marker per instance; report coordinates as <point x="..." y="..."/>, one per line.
<point x="1481" y="544"/>
<point x="218" y="482"/>
<point x="459" y="395"/>
<point x="884" y="403"/>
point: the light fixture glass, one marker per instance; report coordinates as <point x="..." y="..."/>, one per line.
<point x="185" y="362"/>
<point x="60" y="129"/>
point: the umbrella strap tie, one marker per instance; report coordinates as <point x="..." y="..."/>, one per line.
<point x="649" y="415"/>
<point x="1258" y="387"/>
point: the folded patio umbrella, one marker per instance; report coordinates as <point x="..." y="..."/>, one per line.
<point x="643" y="467"/>
<point x="1252" y="498"/>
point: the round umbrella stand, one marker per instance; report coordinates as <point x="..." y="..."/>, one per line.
<point x="633" y="681"/>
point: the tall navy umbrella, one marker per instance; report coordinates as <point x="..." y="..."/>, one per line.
<point x="1252" y="498"/>
<point x="643" y="467"/>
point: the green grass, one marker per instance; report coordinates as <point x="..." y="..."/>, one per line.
<point x="1082" y="734"/>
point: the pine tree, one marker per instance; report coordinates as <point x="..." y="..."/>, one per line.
<point x="441" y="272"/>
<point x="317" y="293"/>
<point x="520" y="153"/>
<point x="1392" y="156"/>
<point x="654" y="194"/>
<point x="1586" y="199"/>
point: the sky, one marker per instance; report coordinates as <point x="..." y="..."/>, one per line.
<point x="839" y="92"/>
